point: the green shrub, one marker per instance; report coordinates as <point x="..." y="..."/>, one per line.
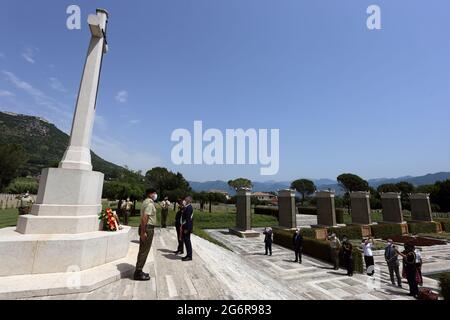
<point x="352" y="232"/>
<point x="445" y="223"/>
<point x="339" y="215"/>
<point x="267" y="211"/>
<point x="318" y="249"/>
<point x="22" y="185"/>
<point x="308" y="233"/>
<point x="444" y="281"/>
<point x="384" y="231"/>
<point x="308" y="210"/>
<point x="422" y="227"/>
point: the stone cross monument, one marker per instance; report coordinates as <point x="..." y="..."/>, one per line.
<point x="420" y="207"/>
<point x="63" y="229"/>
<point x="69" y="197"/>
<point x="360" y="204"/>
<point x="326" y="211"/>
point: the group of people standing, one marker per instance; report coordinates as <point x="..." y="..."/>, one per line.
<point x="183" y="225"/>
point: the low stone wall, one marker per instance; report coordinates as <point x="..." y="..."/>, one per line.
<point x="8" y="201"/>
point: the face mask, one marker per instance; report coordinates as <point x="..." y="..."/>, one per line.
<point x="154" y="197"/>
<point x="184" y="202"/>
<point x="345" y="239"/>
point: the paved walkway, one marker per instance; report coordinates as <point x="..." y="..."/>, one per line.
<point x="245" y="273"/>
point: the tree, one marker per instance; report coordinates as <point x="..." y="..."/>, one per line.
<point x="304" y="187"/>
<point x="388" y="187"/>
<point x="405" y="188"/>
<point x="238" y="183"/>
<point x="351" y="182"/>
<point x="22" y="185"/>
<point x="166" y="182"/>
<point x="442" y="196"/>
<point x="12" y="157"/>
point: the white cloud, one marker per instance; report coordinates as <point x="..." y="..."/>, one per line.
<point x="29" y="54"/>
<point x="57" y="109"/>
<point x="134" y="121"/>
<point x="5" y="93"/>
<point x="55" y="84"/>
<point x="122" y="96"/>
<point x="121" y="154"/>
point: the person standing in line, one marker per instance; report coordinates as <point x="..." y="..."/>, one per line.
<point x="347" y="255"/>
<point x="187" y="226"/>
<point x="146" y="232"/>
<point x="418" y="253"/>
<point x="335" y="246"/>
<point x="297" y="241"/>
<point x="165" y="205"/>
<point x="409" y="265"/>
<point x="268" y="239"/>
<point x="180" y="248"/>
<point x="367" y="245"/>
<point x="126" y="208"/>
<point x="391" y="257"/>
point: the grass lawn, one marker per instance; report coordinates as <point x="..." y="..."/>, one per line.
<point x="202" y="220"/>
<point x="8" y="217"/>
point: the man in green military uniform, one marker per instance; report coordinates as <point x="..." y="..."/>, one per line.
<point x="146" y="232"/>
<point x="25" y="204"/>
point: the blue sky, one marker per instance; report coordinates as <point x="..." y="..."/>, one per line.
<point x="346" y="99"/>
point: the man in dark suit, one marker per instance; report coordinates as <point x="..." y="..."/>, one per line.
<point x="268" y="239"/>
<point x="297" y="241"/>
<point x="178" y="227"/>
<point x="187" y="226"/>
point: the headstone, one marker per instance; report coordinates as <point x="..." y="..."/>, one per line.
<point x="243" y="215"/>
<point x="360" y="205"/>
<point x="392" y="207"/>
<point x="326" y="212"/>
<point x="420" y="207"/>
<point x="287" y="212"/>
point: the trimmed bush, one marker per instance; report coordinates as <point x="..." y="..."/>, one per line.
<point x="352" y="232"/>
<point x="444" y="282"/>
<point x="445" y="223"/>
<point x="308" y="210"/>
<point x="318" y="249"/>
<point x="339" y="215"/>
<point x="422" y="227"/>
<point x="384" y="231"/>
<point x="308" y="233"/>
<point x="267" y="211"/>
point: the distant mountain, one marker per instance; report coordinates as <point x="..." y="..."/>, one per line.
<point x="321" y="184"/>
<point x="44" y="143"/>
<point x="430" y="178"/>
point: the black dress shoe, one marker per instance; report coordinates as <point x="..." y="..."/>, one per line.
<point x="187" y="259"/>
<point x="141" y="276"/>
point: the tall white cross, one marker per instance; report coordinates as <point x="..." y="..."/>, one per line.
<point x="78" y="154"/>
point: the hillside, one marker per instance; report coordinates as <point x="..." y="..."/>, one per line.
<point x="44" y="143"/>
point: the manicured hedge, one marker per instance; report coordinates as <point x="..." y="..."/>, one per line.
<point x="422" y="227"/>
<point x="352" y="232"/>
<point x="384" y="231"/>
<point x="339" y="215"/>
<point x="445" y="223"/>
<point x="308" y="210"/>
<point x="266" y="210"/>
<point x="444" y="281"/>
<point x="308" y="233"/>
<point x="318" y="249"/>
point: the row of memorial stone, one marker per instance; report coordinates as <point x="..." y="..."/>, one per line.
<point x="326" y="213"/>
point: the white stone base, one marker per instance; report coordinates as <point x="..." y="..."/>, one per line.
<point x="68" y="201"/>
<point x="51" y="284"/>
<point x="51" y="253"/>
<point x="244" y="233"/>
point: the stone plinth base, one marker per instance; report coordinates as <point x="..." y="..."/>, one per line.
<point x="244" y="233"/>
<point x="68" y="201"/>
<point x="51" y="253"/>
<point x="53" y="284"/>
